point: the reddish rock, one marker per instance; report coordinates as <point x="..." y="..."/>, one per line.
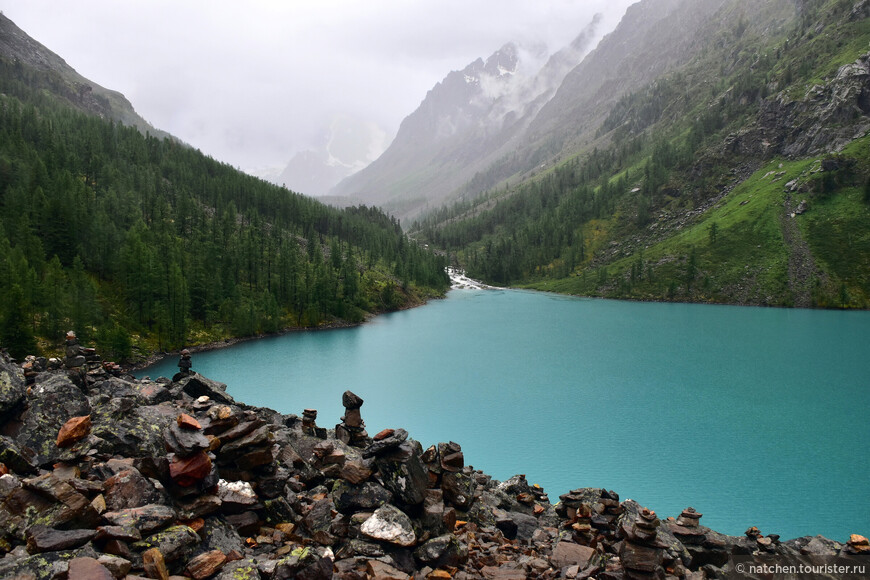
<point x="87" y="569"/>
<point x="185" y="421"/>
<point x="355" y="472"/>
<point x="495" y="573"/>
<point x="569" y="554"/>
<point x="384" y="434"/>
<point x="74" y="430"/>
<point x="380" y="571"/>
<point x="154" y="564"/>
<point x="206" y="564"/>
<point x="189" y="470"/>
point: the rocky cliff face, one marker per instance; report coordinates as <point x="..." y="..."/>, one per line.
<point x="104" y="475"/>
<point x="461" y="123"/>
<point x="61" y="80"/>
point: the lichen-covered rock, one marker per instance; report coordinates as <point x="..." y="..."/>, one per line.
<point x="129" y="430"/>
<point x="145" y="518"/>
<point x="442" y="551"/>
<point x="53" y="402"/>
<point x="402" y="472"/>
<point x="175" y="543"/>
<point x="11" y="387"/>
<point x="459" y="489"/>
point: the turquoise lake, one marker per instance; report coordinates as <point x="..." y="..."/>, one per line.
<point x="753" y="416"/>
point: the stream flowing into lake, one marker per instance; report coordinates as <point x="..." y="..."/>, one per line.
<point x="753" y="416"/>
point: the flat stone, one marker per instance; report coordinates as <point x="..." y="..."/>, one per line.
<point x="73" y="430"/>
<point x="43" y="539"/>
<point x="206" y="564"/>
<point x="185" y="421"/>
<point x="86" y="568"/>
<point x="500" y="573"/>
<point x="570" y="554"/>
<point x="378" y="570"/>
<point x="146" y="518"/>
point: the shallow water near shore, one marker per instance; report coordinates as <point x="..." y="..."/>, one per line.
<point x="754" y="416"/>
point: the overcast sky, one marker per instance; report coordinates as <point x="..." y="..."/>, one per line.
<point x="252" y="82"/>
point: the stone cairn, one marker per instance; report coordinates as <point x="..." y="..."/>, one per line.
<point x="642" y="553"/>
<point x="184" y="363"/>
<point x="688" y="529"/>
<point x="309" y="424"/>
<point x="352" y="429"/>
<point x="76" y="355"/>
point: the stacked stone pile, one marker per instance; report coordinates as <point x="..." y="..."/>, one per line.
<point x="106" y="476"/>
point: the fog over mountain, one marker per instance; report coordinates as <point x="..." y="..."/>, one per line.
<point x="252" y="84"/>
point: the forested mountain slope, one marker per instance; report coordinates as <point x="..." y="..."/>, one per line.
<point x="133" y="240"/>
<point x="739" y="175"/>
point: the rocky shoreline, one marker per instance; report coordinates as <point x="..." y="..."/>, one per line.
<point x="106" y="476"/>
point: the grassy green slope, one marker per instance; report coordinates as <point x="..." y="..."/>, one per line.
<point x="741" y="250"/>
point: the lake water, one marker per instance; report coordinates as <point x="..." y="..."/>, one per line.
<point x="752" y="416"/>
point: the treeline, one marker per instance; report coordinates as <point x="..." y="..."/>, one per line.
<point x="113" y="234"/>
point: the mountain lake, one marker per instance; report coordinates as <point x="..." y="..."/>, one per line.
<point x="753" y="416"/>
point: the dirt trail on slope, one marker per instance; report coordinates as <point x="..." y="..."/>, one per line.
<point x="801" y="266"/>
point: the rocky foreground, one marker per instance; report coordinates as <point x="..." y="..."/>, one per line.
<point x="107" y="476"/>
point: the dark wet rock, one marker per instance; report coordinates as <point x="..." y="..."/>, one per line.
<point x="402" y="472"/>
<point x="392" y="440"/>
<point x="16" y="459"/>
<point x="459" y="490"/>
<point x="184" y="442"/>
<point x="441" y="551"/>
<point x="451" y="457"/>
<point x="367" y="496"/>
<point x="11" y="387"/>
<point x="277" y="510"/>
<point x="218" y="534"/>
<point x="45" y="539"/>
<point x="129" y="489"/>
<point x="318" y="521"/>
<point x="198" y="386"/>
<point x="815" y="546"/>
